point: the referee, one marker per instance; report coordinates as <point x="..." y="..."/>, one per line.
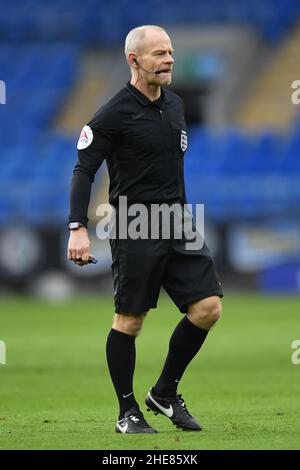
<point x="141" y="133"/>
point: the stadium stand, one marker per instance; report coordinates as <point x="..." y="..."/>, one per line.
<point x="107" y="22"/>
<point x="268" y="103"/>
<point x="39" y="77"/>
<point x="236" y="174"/>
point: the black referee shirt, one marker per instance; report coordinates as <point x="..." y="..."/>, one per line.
<point x="143" y="143"/>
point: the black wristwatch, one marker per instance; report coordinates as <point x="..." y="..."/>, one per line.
<point x="75" y="225"/>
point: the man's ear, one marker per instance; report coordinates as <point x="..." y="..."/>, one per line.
<point x="133" y="62"/>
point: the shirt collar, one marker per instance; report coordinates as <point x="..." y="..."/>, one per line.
<point x="143" y="99"/>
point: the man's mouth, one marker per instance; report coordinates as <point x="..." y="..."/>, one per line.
<point x="165" y="71"/>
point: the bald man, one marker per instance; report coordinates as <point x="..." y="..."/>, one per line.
<point x="142" y="135"/>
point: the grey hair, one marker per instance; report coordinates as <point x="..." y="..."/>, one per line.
<point x="136" y="36"/>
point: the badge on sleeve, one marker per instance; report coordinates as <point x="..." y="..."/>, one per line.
<point x="86" y="138"/>
<point x="183" y="141"/>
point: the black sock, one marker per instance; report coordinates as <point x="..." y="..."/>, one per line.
<point x="120" y="354"/>
<point x="185" y="342"/>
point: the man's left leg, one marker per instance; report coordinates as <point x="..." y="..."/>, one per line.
<point x="185" y="342"/>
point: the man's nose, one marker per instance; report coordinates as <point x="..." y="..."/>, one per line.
<point x="169" y="60"/>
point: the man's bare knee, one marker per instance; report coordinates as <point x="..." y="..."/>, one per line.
<point x="205" y="313"/>
<point x="129" y="323"/>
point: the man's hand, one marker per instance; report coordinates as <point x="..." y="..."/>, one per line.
<point x="79" y="246"/>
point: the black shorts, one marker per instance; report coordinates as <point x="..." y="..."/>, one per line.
<point x="140" y="267"/>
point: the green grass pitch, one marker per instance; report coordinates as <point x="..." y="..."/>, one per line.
<point x="55" y="391"/>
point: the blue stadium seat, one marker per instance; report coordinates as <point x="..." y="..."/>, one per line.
<point x="243" y="177"/>
<point x="107" y="22"/>
<point x="28" y="161"/>
<point x="234" y="174"/>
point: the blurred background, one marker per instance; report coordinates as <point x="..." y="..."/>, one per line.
<point x="235" y="62"/>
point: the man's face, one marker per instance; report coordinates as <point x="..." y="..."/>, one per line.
<point x="156" y="55"/>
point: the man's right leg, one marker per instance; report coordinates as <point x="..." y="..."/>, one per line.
<point x="120" y="353"/>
